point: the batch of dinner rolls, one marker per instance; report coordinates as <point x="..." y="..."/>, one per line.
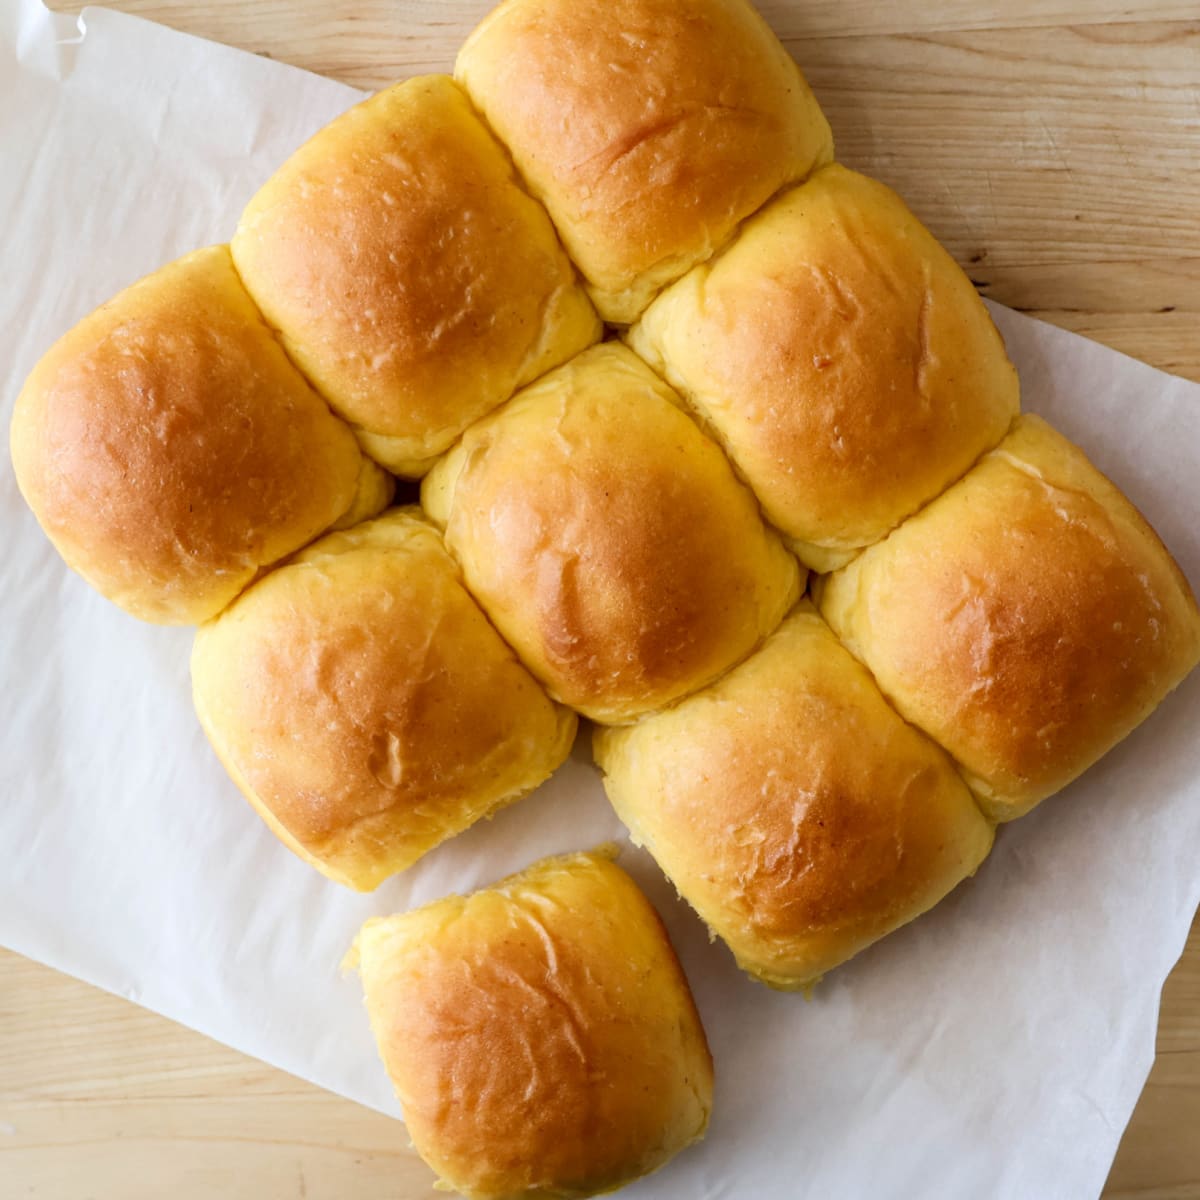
<point x="718" y="448"/>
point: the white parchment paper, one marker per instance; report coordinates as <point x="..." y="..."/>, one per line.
<point x="993" y="1049"/>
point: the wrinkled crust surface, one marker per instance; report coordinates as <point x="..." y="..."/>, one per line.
<point x="540" y="1034"/>
<point x="609" y="540"/>
<point x="648" y="128"/>
<point x="841" y="357"/>
<point x="1027" y="620"/>
<point x="360" y="697"/>
<point x="793" y="808"/>
<point x="169" y="449"/>
<point x="412" y="279"/>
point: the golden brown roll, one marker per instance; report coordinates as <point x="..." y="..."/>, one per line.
<point x="365" y="707"/>
<point x="793" y="808"/>
<point x="1027" y="620"/>
<point x="841" y="357"/>
<point x="412" y="279"/>
<point x="170" y="450"/>
<point x="608" y="539"/>
<point x="540" y="1034"/>
<point x="648" y="128"/>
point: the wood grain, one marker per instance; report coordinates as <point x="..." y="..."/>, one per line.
<point x="373" y="41"/>
<point x="1054" y="145"/>
<point x="103" y="1100"/>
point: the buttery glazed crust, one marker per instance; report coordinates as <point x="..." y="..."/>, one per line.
<point x="540" y="1034"/>
<point x="363" y="704"/>
<point x="793" y="808"/>
<point x="648" y="128"/>
<point x="609" y="540"/>
<point x="412" y="279"/>
<point x="170" y="450"/>
<point x="842" y="358"/>
<point x="1027" y="620"/>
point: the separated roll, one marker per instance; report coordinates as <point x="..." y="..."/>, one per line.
<point x="540" y="1034"/>
<point x="793" y="808"/>
<point x="1027" y="620"/>
<point x="609" y="540"/>
<point x="412" y="279"/>
<point x="170" y="450"/>
<point x="365" y="707"/>
<point x="648" y="128"/>
<point x="843" y="360"/>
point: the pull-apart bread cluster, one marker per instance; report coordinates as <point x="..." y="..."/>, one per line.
<point x="836" y="608"/>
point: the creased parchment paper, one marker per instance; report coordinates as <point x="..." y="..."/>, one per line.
<point x="993" y="1049"/>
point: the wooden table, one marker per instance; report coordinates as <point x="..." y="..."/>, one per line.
<point x="1054" y="146"/>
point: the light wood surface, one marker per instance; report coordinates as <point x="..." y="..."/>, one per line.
<point x="1054" y="146"/>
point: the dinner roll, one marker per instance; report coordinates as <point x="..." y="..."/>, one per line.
<point x="365" y="707"/>
<point x="412" y="279"/>
<point x="648" y="128"/>
<point x="793" y="808"/>
<point x="842" y="359"/>
<point x="1027" y="620"/>
<point x="608" y="539"/>
<point x="540" y="1034"/>
<point x="170" y="450"/>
